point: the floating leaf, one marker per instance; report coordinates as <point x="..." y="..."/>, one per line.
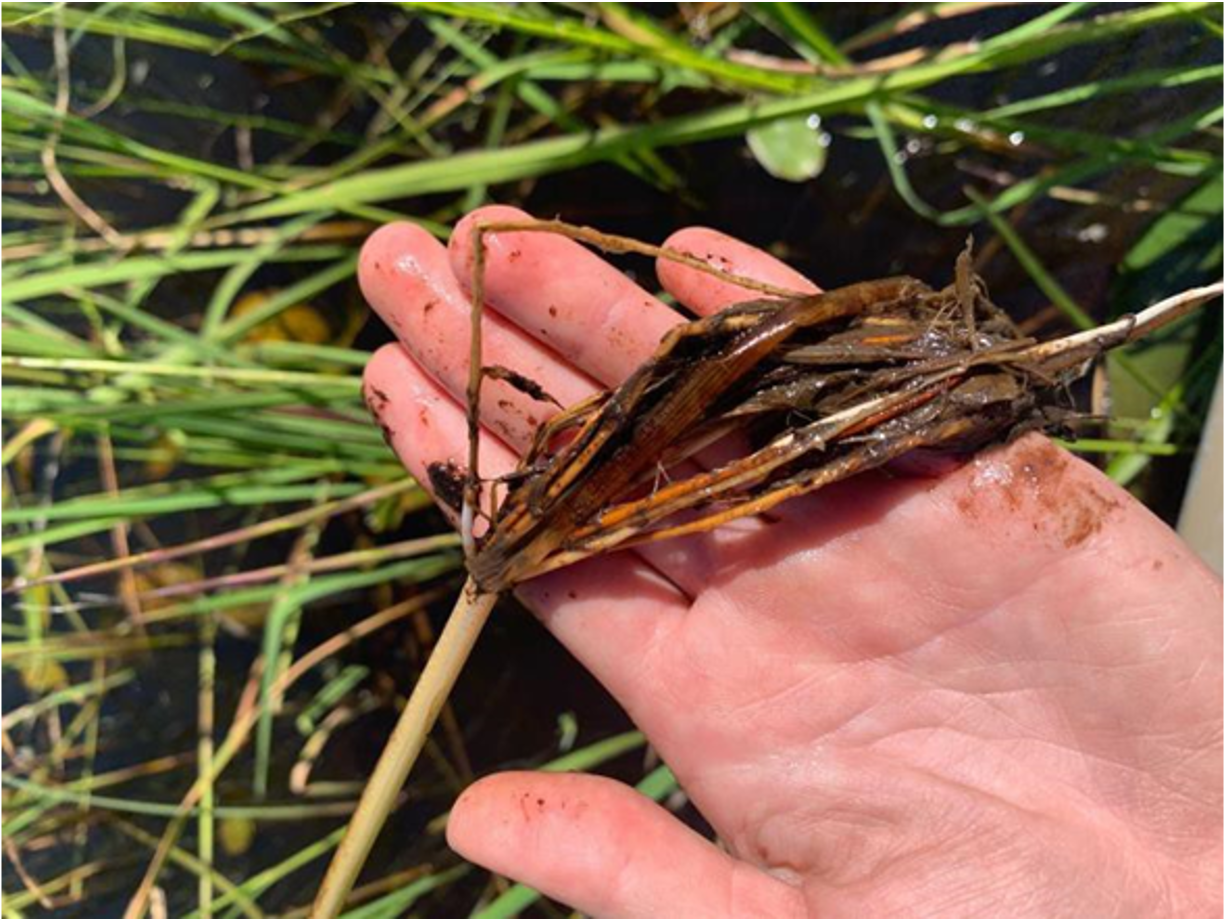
<point x="793" y="149"/>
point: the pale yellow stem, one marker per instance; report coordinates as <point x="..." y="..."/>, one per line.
<point x="428" y="697"/>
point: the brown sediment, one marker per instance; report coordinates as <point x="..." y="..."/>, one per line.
<point x="520" y="382"/>
<point x="1032" y="480"/>
<point x="1036" y="472"/>
<point x="1079" y="509"/>
<point x="1085" y="516"/>
<point x="447" y="483"/>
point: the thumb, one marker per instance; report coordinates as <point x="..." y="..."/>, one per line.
<point x="606" y="850"/>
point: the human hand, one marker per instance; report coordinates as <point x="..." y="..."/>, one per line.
<point x="996" y="693"/>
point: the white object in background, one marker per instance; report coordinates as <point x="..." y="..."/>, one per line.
<point x="1200" y="522"/>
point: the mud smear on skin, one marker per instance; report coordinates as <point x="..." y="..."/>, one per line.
<point x="447" y="483"/>
<point x="1035" y="482"/>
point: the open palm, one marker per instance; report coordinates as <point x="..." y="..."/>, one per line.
<point x="992" y="693"/>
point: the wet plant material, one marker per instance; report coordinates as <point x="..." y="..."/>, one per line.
<point x="814" y="388"/>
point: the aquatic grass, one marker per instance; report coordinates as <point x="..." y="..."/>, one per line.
<point x="145" y="268"/>
<point x="232" y="440"/>
<point x="203" y="869"/>
<point x="287" y="605"/>
<point x="205" y="373"/>
<point x="127" y="805"/>
<point x="1176" y="382"/>
<point x="1045" y="282"/>
<point x="244" y="535"/>
<point x="73" y="694"/>
<point x="140" y="25"/>
<point x="1128" y="457"/>
<point x="254" y="887"/>
<point x="402" y="899"/>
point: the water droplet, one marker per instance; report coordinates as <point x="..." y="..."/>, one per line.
<point x="900" y="156"/>
<point x="139" y="70"/>
<point x="914" y="146"/>
<point x="825" y="139"/>
<point x="813" y="121"/>
<point x="930" y="122"/>
<point x="1048" y="68"/>
<point x="1016" y="138"/>
<point x="204" y="81"/>
<point x="964" y="124"/>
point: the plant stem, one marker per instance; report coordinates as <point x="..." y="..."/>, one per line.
<point x="454" y="646"/>
<point x="1067" y="351"/>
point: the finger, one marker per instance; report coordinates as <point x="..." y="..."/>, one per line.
<point x="423" y="424"/>
<point x="565" y="295"/>
<point x="608" y="612"/>
<point x="406" y="276"/>
<point x="705" y="294"/>
<point x="607" y="850"/>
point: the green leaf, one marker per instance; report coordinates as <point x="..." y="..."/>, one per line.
<point x="397" y="902"/>
<point x="1180" y="248"/>
<point x="793" y="149"/>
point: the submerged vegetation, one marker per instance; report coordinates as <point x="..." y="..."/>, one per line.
<point x="219" y="583"/>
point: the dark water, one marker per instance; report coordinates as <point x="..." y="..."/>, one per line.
<point x="846" y="225"/>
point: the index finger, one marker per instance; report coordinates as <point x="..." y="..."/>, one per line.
<point x="705" y="294"/>
<point x="564" y="295"/>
